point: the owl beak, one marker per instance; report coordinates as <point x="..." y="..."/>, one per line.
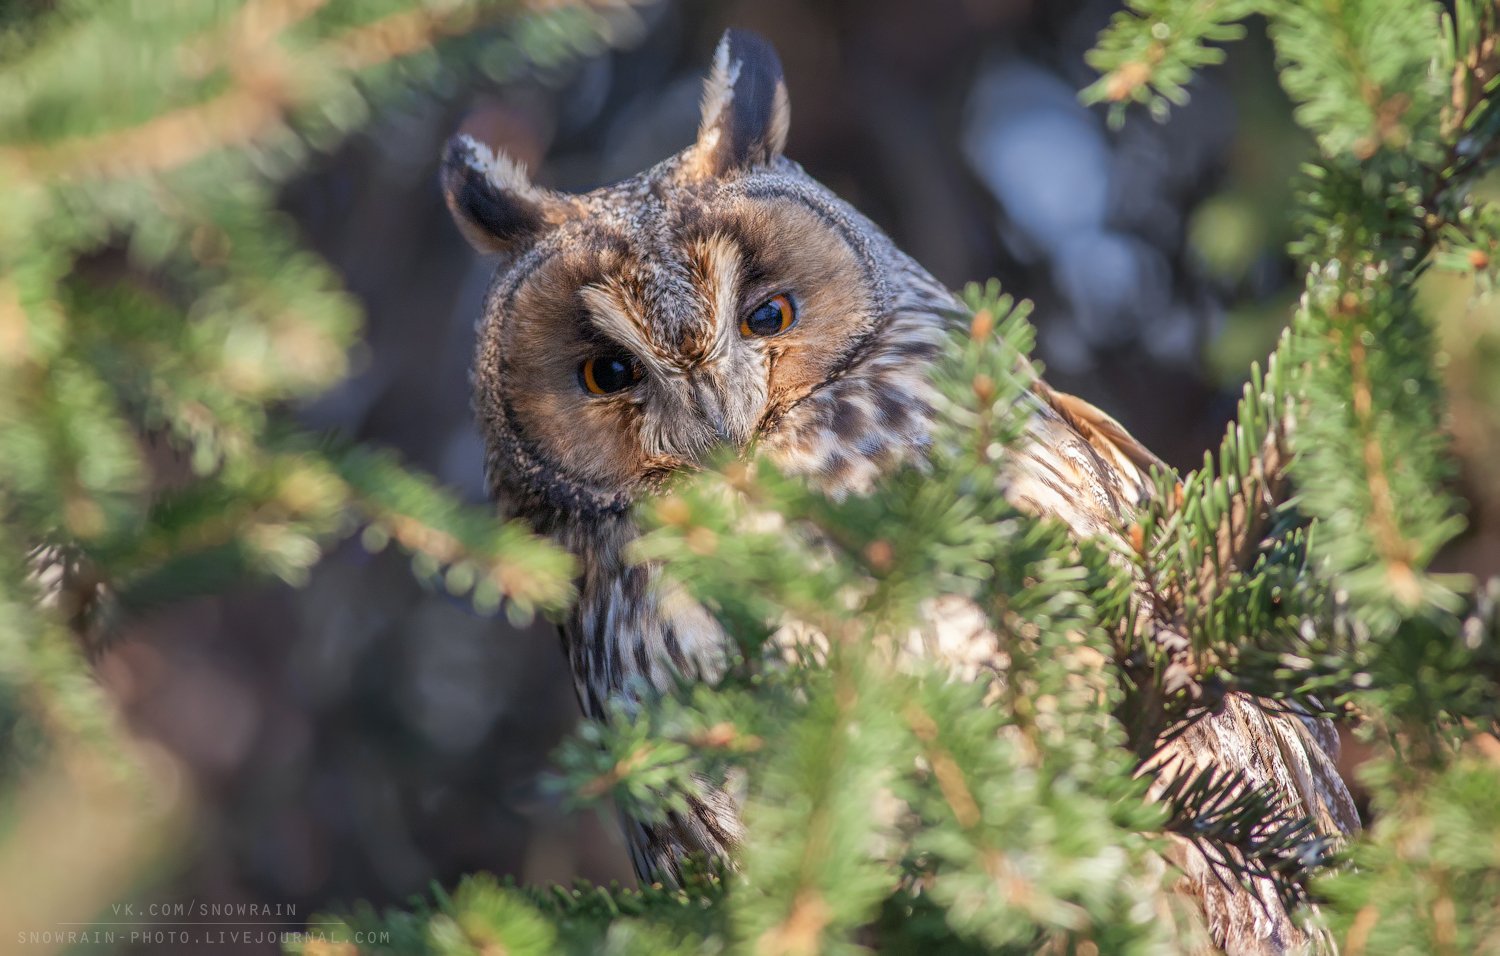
<point x="714" y="412"/>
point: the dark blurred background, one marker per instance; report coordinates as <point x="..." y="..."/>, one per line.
<point x="363" y="737"/>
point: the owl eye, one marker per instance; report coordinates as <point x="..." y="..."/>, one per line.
<point x="772" y="317"/>
<point x="603" y="374"/>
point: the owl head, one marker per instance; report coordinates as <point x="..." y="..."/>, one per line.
<point x="722" y="297"/>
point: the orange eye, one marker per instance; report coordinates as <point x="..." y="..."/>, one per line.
<point x="603" y="374"/>
<point x="772" y="317"/>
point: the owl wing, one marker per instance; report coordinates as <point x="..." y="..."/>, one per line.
<point x="1084" y="467"/>
<point x="1080" y="465"/>
<point x="1291" y="755"/>
<point x="1131" y="460"/>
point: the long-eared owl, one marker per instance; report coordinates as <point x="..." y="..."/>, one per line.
<point x="723" y="296"/>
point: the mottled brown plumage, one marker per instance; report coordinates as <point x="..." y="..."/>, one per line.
<point x="655" y="281"/>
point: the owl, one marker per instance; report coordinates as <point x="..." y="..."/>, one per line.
<point x="725" y="298"/>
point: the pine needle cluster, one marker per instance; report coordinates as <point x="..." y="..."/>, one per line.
<point x="156" y="307"/>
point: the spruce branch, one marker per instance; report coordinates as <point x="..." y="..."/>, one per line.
<point x="493" y="560"/>
<point x="484" y="914"/>
<point x="1378" y="409"/>
<point x="1470" y="246"/>
<point x="652" y="754"/>
<point x="158" y="319"/>
<point x="1470" y="120"/>
<point x="1221" y="554"/>
<point x="266" y="84"/>
<point x="1151" y="50"/>
<point x="1246" y="833"/>
<point x="1361" y="72"/>
<point x="1426" y="876"/>
<point x="1220" y="568"/>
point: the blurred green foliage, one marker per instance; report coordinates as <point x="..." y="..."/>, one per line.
<point x="160" y="320"/>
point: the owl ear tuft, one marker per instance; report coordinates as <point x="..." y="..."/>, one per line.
<point x="745" y="107"/>
<point x="492" y="201"/>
